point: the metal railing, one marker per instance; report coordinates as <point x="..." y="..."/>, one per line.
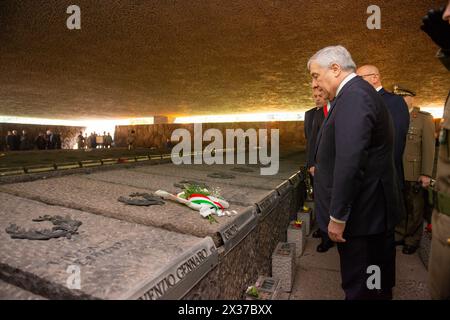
<point x="11" y="171"/>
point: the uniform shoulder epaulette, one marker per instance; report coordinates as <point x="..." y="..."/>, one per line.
<point x="424" y="112"/>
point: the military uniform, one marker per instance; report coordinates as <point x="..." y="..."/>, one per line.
<point x="436" y="25"/>
<point x="418" y="160"/>
<point x="439" y="265"/>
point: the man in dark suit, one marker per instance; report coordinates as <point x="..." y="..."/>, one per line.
<point x="16" y="140"/>
<point x="355" y="179"/>
<point x="313" y="121"/>
<point x="399" y="112"/>
<point x="10" y="141"/>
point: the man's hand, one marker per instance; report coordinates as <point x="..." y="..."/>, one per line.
<point x="311" y="170"/>
<point x="336" y="231"/>
<point x="425" y="181"/>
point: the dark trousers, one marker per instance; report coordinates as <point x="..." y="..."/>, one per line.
<point x="325" y="237"/>
<point x="356" y="255"/>
<point x="410" y="229"/>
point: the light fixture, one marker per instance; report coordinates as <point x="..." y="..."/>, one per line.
<point x="249" y="117"/>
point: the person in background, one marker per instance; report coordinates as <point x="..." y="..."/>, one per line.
<point x="398" y="110"/>
<point x="86" y="141"/>
<point x="131" y="140"/>
<point x="49" y="139"/>
<point x="89" y="142"/>
<point x="57" y="140"/>
<point x="169" y="145"/>
<point x="103" y="145"/>
<point x="80" y="141"/>
<point x="9" y="141"/>
<point x="16" y="140"/>
<point x="40" y="141"/>
<point x="94" y="140"/>
<point x="418" y="162"/>
<point x="313" y="121"/>
<point x="25" y="142"/>
<point x="108" y="140"/>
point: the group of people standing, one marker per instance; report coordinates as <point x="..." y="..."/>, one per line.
<point x="44" y="141"/>
<point x="414" y="153"/>
<point x="370" y="155"/>
<point x="94" y="141"/>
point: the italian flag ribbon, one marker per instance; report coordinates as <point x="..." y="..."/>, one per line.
<point x="202" y="199"/>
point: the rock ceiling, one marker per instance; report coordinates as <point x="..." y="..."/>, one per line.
<point x="136" y="58"/>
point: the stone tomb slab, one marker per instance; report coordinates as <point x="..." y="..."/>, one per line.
<point x="12" y="292"/>
<point x="115" y="259"/>
<point x="100" y="197"/>
<point x="285" y="169"/>
<point x="236" y="195"/>
<point x="188" y="172"/>
<point x="244" y="170"/>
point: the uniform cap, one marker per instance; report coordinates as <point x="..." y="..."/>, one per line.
<point x="403" y="91"/>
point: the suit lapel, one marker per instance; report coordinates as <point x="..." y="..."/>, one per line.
<point x="319" y="136"/>
<point x="330" y="112"/>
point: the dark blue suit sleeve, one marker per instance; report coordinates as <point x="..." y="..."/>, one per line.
<point x="354" y="121"/>
<point x="403" y="109"/>
<point x="306" y="124"/>
<point x="307" y="127"/>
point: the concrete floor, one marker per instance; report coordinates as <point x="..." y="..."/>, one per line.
<point x="318" y="276"/>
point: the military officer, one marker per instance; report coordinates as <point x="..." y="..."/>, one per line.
<point x="437" y="25"/>
<point x="418" y="161"/>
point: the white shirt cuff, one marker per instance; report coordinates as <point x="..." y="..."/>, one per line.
<point x="337" y="220"/>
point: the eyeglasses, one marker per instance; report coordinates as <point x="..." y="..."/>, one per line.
<point x="369" y="74"/>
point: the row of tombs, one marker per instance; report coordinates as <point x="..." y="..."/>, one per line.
<point x="99" y="246"/>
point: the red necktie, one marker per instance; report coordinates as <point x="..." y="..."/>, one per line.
<point x="325" y="110"/>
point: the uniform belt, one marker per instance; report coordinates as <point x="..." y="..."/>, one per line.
<point x="441" y="201"/>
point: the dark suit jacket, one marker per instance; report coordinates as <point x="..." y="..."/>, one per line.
<point x="313" y="121"/>
<point x="10" y="141"/>
<point x="399" y="112"/>
<point x="355" y="178"/>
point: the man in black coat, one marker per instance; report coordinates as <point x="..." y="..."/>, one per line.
<point x="50" y="140"/>
<point x="399" y="112"/>
<point x="313" y="121"/>
<point x="10" y="141"/>
<point x="16" y="141"/>
<point x="355" y="178"/>
<point x="40" y="141"/>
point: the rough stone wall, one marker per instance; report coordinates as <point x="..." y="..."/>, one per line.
<point x="291" y="132"/>
<point x="251" y="258"/>
<point x="68" y="134"/>
<point x="271" y="230"/>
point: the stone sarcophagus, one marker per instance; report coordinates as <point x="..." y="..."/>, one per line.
<point x="146" y="248"/>
<point x="106" y="259"/>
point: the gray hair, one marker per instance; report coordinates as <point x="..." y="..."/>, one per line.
<point x="333" y="55"/>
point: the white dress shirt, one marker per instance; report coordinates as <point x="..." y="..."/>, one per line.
<point x="344" y="82"/>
